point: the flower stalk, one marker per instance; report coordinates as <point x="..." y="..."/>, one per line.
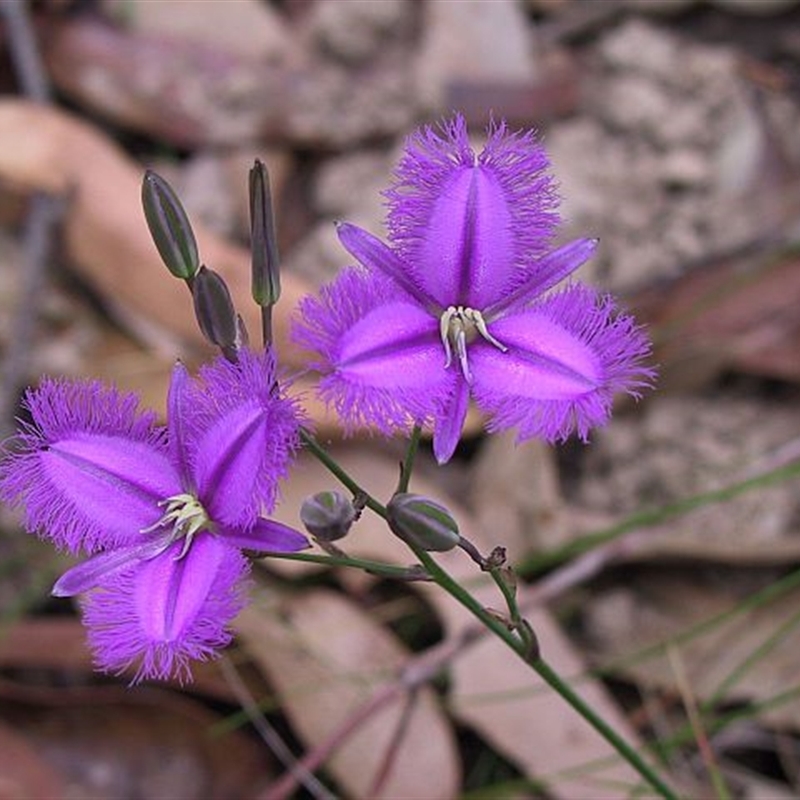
<point x="523" y="645"/>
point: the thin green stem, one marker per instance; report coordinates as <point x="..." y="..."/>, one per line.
<point x="460" y="594"/>
<point x="547" y="673"/>
<point x="374" y="567"/>
<point x="407" y="466"/>
<point x="776" y="638"/>
<point x="342" y="475"/>
<point x="505" y="581"/>
<point x="647" y="518"/>
<point x="266" y="325"/>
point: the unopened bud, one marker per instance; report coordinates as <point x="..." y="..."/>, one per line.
<point x="214" y="310"/>
<point x="169" y="226"/>
<point x="422" y="522"/>
<point x="266" y="283"/>
<point x="327" y="515"/>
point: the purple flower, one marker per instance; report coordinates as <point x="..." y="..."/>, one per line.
<point x="459" y="304"/>
<point x="165" y="512"/>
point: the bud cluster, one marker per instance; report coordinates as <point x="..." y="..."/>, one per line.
<point x="176" y="244"/>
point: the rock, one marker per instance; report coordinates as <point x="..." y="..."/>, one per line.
<point x="668" y="165"/>
<point x="331" y="109"/>
<point x="682" y="445"/>
<point x="343" y="184"/>
<point x="354" y="31"/>
<point x="250" y="28"/>
<point x="479" y="41"/>
<point x="754" y="7"/>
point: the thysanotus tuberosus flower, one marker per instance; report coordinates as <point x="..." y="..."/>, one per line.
<point x="163" y="512"/>
<point x="462" y="303"/>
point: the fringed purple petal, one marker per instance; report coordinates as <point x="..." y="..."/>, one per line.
<point x="178" y="414"/>
<point x="266" y="536"/>
<point x="89" y="469"/>
<point x="450" y="421"/>
<point x="566" y="359"/>
<point x="372" y="253"/>
<point x="470" y="226"/>
<point x="168" y="611"/>
<point x="380" y="353"/>
<point x="100" y="568"/>
<point x="545" y="273"/>
<point x="250" y="434"/>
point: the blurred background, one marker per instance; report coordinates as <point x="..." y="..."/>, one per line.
<point x="659" y="565"/>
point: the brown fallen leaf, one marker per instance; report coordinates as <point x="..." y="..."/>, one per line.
<point x="110" y="742"/>
<point x="625" y="621"/>
<point x="491" y="689"/>
<point x="108" y="244"/>
<point x="326" y="657"/>
<point x="58" y="644"/>
<point x="739" y="314"/>
<point x="24" y="772"/>
<point x="501" y="698"/>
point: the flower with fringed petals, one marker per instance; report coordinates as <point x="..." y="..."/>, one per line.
<point x="462" y="303"/>
<point x="164" y="513"/>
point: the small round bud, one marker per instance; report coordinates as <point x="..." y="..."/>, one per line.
<point x="327" y="515"/>
<point x="169" y="226"/>
<point x="422" y="522"/>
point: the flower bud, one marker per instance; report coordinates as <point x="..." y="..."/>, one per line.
<point x="422" y="522"/>
<point x="266" y="283"/>
<point x="169" y="226"/>
<point x="214" y="310"/>
<point x="327" y="515"/>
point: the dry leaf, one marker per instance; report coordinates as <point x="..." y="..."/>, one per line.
<point x="644" y="613"/>
<point x="59" y="644"/>
<point x="111" y="742"/>
<point x="24" y="773"/>
<point x="326" y="658"/>
<point x="43" y="149"/>
<point x="526" y="721"/>
<point x="740" y="315"/>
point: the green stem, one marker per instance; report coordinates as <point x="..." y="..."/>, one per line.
<point x="509" y="594"/>
<point x="344" y="478"/>
<point x="544" y="670"/>
<point x="547" y="673"/>
<point x="541" y="562"/>
<point x="407" y="466"/>
<point x="374" y="567"/>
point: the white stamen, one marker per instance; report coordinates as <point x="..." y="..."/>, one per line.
<point x="186" y="516"/>
<point x="457" y="327"/>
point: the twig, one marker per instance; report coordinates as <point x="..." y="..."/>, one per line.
<point x="379" y="781"/>
<point x="417" y="671"/>
<point x="270" y="736"/>
<point x="24" y="51"/>
<point x="43" y="216"/>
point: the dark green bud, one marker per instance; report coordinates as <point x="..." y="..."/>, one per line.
<point x="214" y="310"/>
<point x="422" y="522"/>
<point x="327" y="515"/>
<point x="266" y="284"/>
<point x="169" y="226"/>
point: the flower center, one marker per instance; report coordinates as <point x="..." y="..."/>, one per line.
<point x="185" y="514"/>
<point x="458" y="326"/>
